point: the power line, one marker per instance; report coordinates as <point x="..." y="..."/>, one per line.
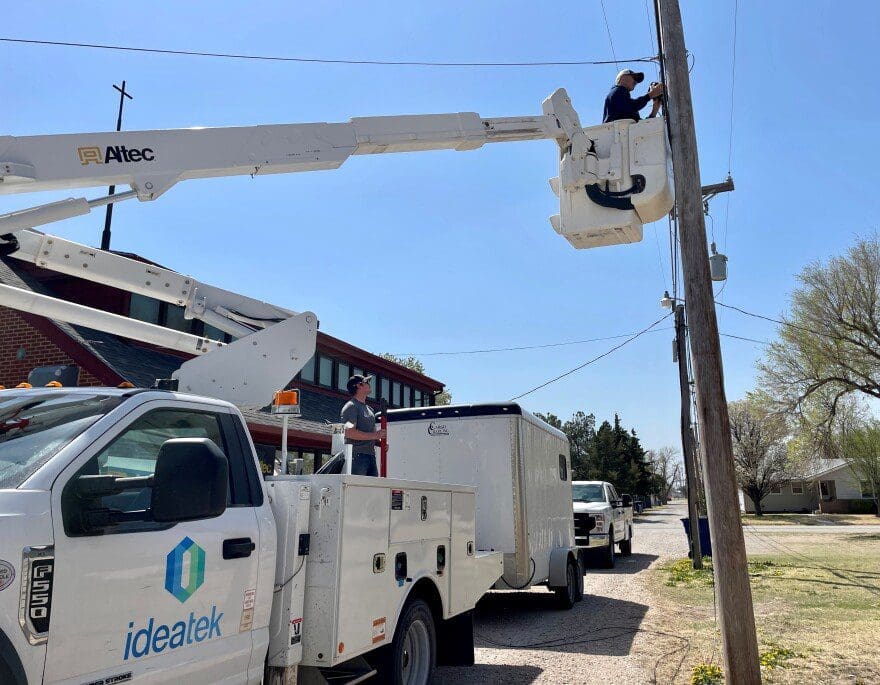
<point x="322" y="60"/>
<point x="608" y="29"/>
<point x="732" y="86"/>
<point x="517" y="349"/>
<point x="730" y="134"/>
<point x="660" y="258"/>
<point x="594" y="359"/>
<point x="820" y="334"/>
<point x="650" y="28"/>
<point x="740" y="337"/>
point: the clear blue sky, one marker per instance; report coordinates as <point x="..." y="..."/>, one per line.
<point x="455" y="248"/>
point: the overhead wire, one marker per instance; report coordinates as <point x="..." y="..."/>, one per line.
<point x="730" y="132"/>
<point x="518" y="348"/>
<point x="594" y="359"/>
<point x="321" y="60"/>
<point x="608" y="29"/>
<point x="660" y="258"/>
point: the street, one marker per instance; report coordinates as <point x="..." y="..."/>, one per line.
<point x="614" y="635"/>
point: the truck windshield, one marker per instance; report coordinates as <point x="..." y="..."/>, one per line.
<point x="35" y="425"/>
<point x="591" y="492"/>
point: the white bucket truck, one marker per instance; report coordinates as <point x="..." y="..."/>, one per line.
<point x="520" y="468"/>
<point x="140" y="544"/>
<point x="137" y="541"/>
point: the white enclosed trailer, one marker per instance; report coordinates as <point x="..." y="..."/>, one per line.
<point x="520" y="468"/>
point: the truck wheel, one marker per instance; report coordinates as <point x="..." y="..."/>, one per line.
<point x="568" y="595"/>
<point x="626" y="546"/>
<point x="412" y="654"/>
<point x="608" y="552"/>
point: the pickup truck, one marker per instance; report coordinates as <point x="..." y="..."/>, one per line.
<point x="613" y="516"/>
<point x="140" y="543"/>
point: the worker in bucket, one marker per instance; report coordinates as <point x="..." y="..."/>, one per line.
<point x="360" y="427"/>
<point x="620" y="104"/>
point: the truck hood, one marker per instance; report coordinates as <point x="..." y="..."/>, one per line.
<point x="25" y="521"/>
<point x="590" y="507"/>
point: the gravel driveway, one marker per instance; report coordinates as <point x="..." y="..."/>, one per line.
<point x="613" y="636"/>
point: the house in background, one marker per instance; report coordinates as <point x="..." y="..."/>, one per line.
<point x="831" y="488"/>
<point x="96" y="358"/>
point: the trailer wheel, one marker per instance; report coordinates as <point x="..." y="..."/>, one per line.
<point x="608" y="552"/>
<point x="626" y="546"/>
<point x="412" y="654"/>
<point x="568" y="595"/>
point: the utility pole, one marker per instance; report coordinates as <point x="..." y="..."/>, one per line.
<point x="108" y="217"/>
<point x="735" y="611"/>
<point x="687" y="442"/>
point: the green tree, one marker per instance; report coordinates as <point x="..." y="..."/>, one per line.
<point x="416" y="365"/>
<point x="551" y="419"/>
<point x="609" y="453"/>
<point x="829" y="347"/>
<point x="861" y="449"/>
<point x="760" y="453"/>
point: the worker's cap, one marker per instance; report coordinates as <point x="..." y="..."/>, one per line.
<point x="355" y="381"/>
<point x="638" y="76"/>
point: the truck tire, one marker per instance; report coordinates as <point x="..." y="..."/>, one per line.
<point x="567" y="596"/>
<point x="412" y="655"/>
<point x="626" y="546"/>
<point x="607" y="557"/>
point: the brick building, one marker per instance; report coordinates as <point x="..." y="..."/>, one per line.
<point x="28" y="341"/>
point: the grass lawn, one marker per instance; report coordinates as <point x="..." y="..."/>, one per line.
<point x="817" y="609"/>
<point x="810" y="519"/>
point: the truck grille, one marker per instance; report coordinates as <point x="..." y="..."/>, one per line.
<point x="583" y="524"/>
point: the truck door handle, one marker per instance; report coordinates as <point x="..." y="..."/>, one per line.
<point x="238" y="548"/>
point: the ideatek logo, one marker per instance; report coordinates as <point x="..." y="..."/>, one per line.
<point x="437" y="429"/>
<point x="93" y="154"/>
<point x="185" y="569"/>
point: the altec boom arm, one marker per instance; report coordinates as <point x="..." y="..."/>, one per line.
<point x="612" y="178"/>
<point x="151" y="162"/>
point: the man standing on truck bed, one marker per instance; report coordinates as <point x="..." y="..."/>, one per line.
<point x="360" y="427"/>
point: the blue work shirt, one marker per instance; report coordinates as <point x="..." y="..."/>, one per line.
<point x="619" y="104"/>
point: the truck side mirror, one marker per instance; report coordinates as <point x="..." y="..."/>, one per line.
<point x="627" y="500"/>
<point x="190" y="482"/>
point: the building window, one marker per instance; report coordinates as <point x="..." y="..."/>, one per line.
<point x="308" y="371"/>
<point x="797" y="487"/>
<point x="144" y="308"/>
<point x="776" y="489"/>
<point x="174" y="319"/>
<point x="325" y="371"/>
<point x="374" y="384"/>
<point x="395" y="398"/>
<point x="867" y="490"/>
<point x="386" y="390"/>
<point x="417" y="401"/>
<point x="407" y="396"/>
<point x="343" y="373"/>
<point x="357" y="372"/>
<point x="214" y="333"/>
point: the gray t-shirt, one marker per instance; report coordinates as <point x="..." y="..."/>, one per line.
<point x="363" y="419"/>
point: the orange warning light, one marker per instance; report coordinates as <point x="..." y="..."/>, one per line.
<point x="286" y="402"/>
<point x="54" y="384"/>
<point x="125" y="385"/>
<point x="24" y="385"/>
